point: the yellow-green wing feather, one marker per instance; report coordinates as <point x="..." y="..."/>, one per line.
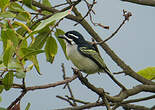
<point x="92" y="54"/>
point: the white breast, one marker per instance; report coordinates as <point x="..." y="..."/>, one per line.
<point x="81" y="62"/>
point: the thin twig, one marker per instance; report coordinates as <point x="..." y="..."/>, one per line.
<point x="85" y="106"/>
<point x="117" y="82"/>
<point x="48" y="85"/>
<point x="59" y="5"/>
<point x="60" y="97"/>
<point x="23" y="81"/>
<point x="106" y="103"/>
<point x="126" y="18"/>
<point x="97" y="24"/>
<point x="67" y="84"/>
<point x="72" y="4"/>
<point x="90" y="6"/>
<point x="5" y="70"/>
<point x="37" y="14"/>
<point x="139" y="99"/>
<point x="77" y="100"/>
<point x="118" y="72"/>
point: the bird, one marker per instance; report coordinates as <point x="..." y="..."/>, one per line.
<point x="83" y="54"/>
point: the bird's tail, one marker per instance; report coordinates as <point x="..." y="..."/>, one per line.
<point x="113" y="78"/>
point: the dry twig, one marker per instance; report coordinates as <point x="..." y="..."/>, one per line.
<point x="126" y="18"/>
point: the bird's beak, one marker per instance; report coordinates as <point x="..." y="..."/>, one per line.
<point x="67" y="40"/>
<point x="62" y="37"/>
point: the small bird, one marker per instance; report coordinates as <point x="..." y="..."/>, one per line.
<point x="83" y="54"/>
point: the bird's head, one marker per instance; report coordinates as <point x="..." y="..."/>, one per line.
<point x="73" y="37"/>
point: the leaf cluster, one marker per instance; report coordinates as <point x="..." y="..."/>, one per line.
<point x="23" y="37"/>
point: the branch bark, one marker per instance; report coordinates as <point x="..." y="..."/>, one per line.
<point x="17" y="100"/>
<point x="122" y="95"/>
<point x="117" y="98"/>
<point x="134" y="107"/>
<point x="142" y="2"/>
<point x="46" y="85"/>
<point x="86" y="106"/>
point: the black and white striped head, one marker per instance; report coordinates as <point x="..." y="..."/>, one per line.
<point x="73" y="37"/>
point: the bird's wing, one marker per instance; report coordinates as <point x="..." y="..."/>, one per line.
<point x="94" y="46"/>
<point x="93" y="55"/>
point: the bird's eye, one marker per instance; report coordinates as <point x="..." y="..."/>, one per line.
<point x="69" y="40"/>
<point x="74" y="36"/>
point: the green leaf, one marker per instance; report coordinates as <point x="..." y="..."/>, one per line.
<point x="51" y="49"/>
<point x="0" y="99"/>
<point x="0" y="38"/>
<point x="51" y="19"/>
<point x="22" y="29"/>
<point x="28" y="3"/>
<point x="8" y="80"/>
<point x="7" y="15"/>
<point x="4" y="38"/>
<point x="1" y="88"/>
<point x="8" y="53"/>
<point x="12" y="65"/>
<point x="2" y="108"/>
<point x="23" y="16"/>
<point x="3" y="4"/>
<point x="61" y="41"/>
<point x="148" y="73"/>
<point x="15" y="7"/>
<point x="41" y="38"/>
<point x="1" y="61"/>
<point x="20" y="74"/>
<point x="35" y="62"/>
<point x="30" y="52"/>
<point x="28" y="106"/>
<point x="9" y="34"/>
<point x="48" y="4"/>
<point x="22" y="45"/>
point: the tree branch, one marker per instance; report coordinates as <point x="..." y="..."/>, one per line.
<point x="132" y="101"/>
<point x="86" y="106"/>
<point x="17" y="100"/>
<point x="62" y="98"/>
<point x="142" y="2"/>
<point x="139" y="99"/>
<point x="122" y="95"/>
<point x="134" y="107"/>
<point x="67" y="84"/>
<point x="47" y="85"/>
